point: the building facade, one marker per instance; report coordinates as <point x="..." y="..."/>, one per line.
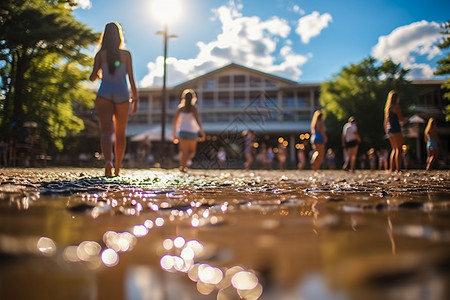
<point x="234" y="99"/>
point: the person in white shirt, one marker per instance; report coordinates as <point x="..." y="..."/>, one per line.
<point x="350" y="143"/>
<point x="187" y="127"/>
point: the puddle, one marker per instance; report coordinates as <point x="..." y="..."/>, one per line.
<point x="154" y="234"/>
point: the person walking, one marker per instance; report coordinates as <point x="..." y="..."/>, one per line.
<point x="187" y="127"/>
<point x="432" y="140"/>
<point x="318" y="139"/>
<point x="249" y="140"/>
<point x="393" y="119"/>
<point x="112" y="64"/>
<point x="350" y="143"/>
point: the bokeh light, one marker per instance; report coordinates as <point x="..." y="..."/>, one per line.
<point x="110" y="258"/>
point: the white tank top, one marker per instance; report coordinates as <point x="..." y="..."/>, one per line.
<point x="188" y="123"/>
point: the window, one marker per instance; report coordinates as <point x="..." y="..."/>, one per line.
<point x="143" y="103"/>
<point x="173" y="102"/>
<point x="270" y="83"/>
<point x="156" y="102"/>
<point x="271" y="100"/>
<point x="288" y="99"/>
<point x="256" y="99"/>
<point x="224" y="81"/>
<point x="239" y="100"/>
<point x="239" y="80"/>
<point x="302" y="100"/>
<point x="255" y="81"/>
<point x="209" y="84"/>
<point x="208" y="100"/>
<point x="224" y="99"/>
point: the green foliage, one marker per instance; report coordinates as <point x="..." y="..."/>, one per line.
<point x="57" y="85"/>
<point x="444" y="65"/>
<point x="42" y="67"/>
<point x="360" y="90"/>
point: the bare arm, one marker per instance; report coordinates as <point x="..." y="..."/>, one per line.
<point x="176" y="120"/>
<point x="202" y="133"/>
<point x="398" y="112"/>
<point x="134" y="93"/>
<point x="96" y="69"/>
<point x="321" y="129"/>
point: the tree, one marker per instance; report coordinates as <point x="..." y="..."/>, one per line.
<point x="360" y="90"/>
<point x="444" y="65"/>
<point x="42" y="65"/>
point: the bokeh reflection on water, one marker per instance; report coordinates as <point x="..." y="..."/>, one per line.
<point x="224" y="235"/>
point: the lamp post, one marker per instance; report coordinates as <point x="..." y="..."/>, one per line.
<point x="164" y="92"/>
<point x="165" y="11"/>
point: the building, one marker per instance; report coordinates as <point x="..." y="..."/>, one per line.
<point x="234" y="98"/>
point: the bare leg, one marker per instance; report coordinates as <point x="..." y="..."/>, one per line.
<point x="432" y="155"/>
<point x="248" y="160"/>
<point x="187" y="152"/>
<point x="320" y="148"/>
<point x="396" y="158"/>
<point x="120" y="124"/>
<point x="105" y="111"/>
<point x="352" y="153"/>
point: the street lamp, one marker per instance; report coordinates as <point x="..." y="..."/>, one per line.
<point x="165" y="11"/>
<point x="164" y="92"/>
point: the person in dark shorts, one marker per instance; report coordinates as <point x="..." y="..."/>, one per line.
<point x="393" y="119"/>
<point x="350" y="143"/>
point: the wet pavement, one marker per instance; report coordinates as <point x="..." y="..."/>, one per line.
<point x="230" y="234"/>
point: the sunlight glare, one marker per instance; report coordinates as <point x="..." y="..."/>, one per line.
<point x="166" y="11"/>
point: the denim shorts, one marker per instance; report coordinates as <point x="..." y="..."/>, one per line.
<point x="186" y="135"/>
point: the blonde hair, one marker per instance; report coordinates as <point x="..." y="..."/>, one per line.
<point x="188" y="98"/>
<point x="392" y="98"/>
<point x="431" y="124"/>
<point x="317" y="115"/>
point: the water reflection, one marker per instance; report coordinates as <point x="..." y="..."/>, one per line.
<point x="208" y="278"/>
<point x="235" y="236"/>
<point x="18" y="196"/>
<point x="27" y="245"/>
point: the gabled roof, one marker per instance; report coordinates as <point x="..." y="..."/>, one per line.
<point x="235" y="66"/>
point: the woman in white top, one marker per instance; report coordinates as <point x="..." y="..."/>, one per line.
<point x="186" y="127"/>
<point x="350" y="142"/>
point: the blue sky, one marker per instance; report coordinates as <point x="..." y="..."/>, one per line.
<point x="304" y="41"/>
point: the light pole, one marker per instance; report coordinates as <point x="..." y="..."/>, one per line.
<point x="165" y="11"/>
<point x="164" y="93"/>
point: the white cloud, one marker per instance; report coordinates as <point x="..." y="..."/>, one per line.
<point x="407" y="44"/>
<point x="83" y="4"/>
<point x="297" y="9"/>
<point x="248" y="41"/>
<point x="311" y="25"/>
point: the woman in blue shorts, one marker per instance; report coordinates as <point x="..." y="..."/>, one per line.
<point x="186" y="128"/>
<point x="112" y="64"/>
<point x="432" y="140"/>
<point x="318" y="139"/>
<point x="392" y="119"/>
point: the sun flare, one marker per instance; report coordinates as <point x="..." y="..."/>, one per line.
<point x="166" y="11"/>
